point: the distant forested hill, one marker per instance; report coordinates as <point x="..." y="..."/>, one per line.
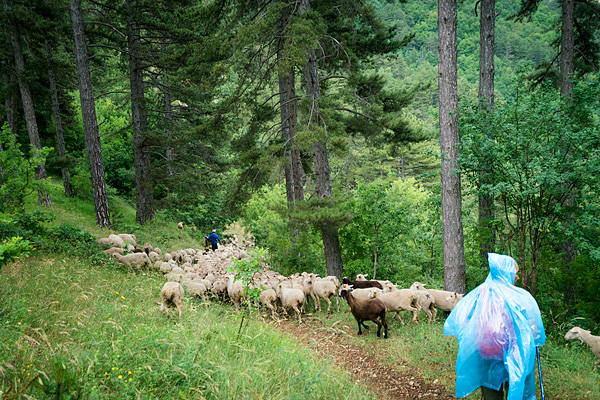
<point x="516" y="42"/>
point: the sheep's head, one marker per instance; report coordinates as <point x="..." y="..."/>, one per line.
<point x="417" y="286"/>
<point x="344" y="290"/>
<point x="575" y="333"/>
<point x="362" y="277"/>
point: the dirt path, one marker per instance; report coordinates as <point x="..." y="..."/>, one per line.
<point x="385" y="381"/>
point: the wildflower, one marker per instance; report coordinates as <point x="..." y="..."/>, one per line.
<point x="129" y="372"/>
<point x="129" y="379"/>
<point x="117" y="292"/>
<point x="113" y="368"/>
<point x="123" y="297"/>
<point x="120" y="376"/>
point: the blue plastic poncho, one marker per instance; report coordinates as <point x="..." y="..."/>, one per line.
<point x="498" y="327"/>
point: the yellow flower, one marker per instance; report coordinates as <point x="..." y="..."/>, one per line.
<point x="120" y="376"/>
<point x="129" y="379"/>
<point x="123" y="297"/>
<point x="117" y="292"/>
<point x="129" y="372"/>
<point x="113" y="368"/>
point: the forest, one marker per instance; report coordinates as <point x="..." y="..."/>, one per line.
<point x="319" y="127"/>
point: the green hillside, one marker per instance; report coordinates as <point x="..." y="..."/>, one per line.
<point x="76" y="325"/>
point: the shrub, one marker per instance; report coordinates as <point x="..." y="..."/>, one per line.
<point x="14" y="248"/>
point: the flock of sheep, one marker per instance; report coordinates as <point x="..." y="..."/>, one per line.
<point x="203" y="272"/>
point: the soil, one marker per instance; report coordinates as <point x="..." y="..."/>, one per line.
<point x="385" y="381"/>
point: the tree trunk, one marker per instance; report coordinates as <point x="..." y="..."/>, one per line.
<point x="28" y="109"/>
<point x="566" y="48"/>
<point x="10" y="103"/>
<point x="141" y="153"/>
<point x="329" y="232"/>
<point x="454" y="261"/>
<point x="566" y="90"/>
<point x="88" y="113"/>
<point x="375" y="253"/>
<point x="169" y="153"/>
<point x="487" y="235"/>
<point x="60" y="141"/>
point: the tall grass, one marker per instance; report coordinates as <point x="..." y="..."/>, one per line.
<point x="97" y="332"/>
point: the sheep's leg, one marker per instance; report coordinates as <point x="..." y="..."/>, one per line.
<point x="429" y="315"/>
<point x="434" y="313"/>
<point x="337" y="303"/>
<point x="297" y="309"/>
<point x="415" y="312"/>
<point x="385" y="327"/>
<point x="318" y="304"/>
<point x="314" y="299"/>
<point x="378" y="326"/>
<point x="179" y="311"/>
<point x="364" y="325"/>
<point x="399" y="317"/>
<point x="359" y="324"/>
<point x="328" y="304"/>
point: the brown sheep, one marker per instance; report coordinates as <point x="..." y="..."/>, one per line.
<point x="366" y="310"/>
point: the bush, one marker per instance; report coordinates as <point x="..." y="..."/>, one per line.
<point x="14" y="248"/>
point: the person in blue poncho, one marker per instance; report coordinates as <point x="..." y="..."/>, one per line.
<point x="213" y="239"/>
<point x="498" y="327"/>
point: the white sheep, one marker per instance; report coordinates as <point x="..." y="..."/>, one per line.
<point x="235" y="290"/>
<point x="426" y="302"/>
<point x="172" y="296"/>
<point x="114" y="250"/>
<point x="441" y="297"/>
<point x="400" y="300"/>
<point x="587" y="337"/>
<point x="133" y="260"/>
<point x="111" y="241"/>
<point x="325" y="289"/>
<point x="292" y="298"/>
<point x="128" y="239"/>
<point x="180" y="225"/>
<point x="361" y="277"/>
<point x="219" y="288"/>
<point x="268" y="298"/>
<point x="361" y="293"/>
<point x="195" y="288"/>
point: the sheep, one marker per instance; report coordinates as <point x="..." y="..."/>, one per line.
<point x="180" y="225"/>
<point x="172" y="296"/>
<point x="400" y="300"/>
<point x="291" y="298"/>
<point x="440" y="297"/>
<point x="153" y="256"/>
<point x="268" y="298"/>
<point x="324" y="289"/>
<point x="128" y="239"/>
<point x="235" y="290"/>
<point x="219" y="288"/>
<point x="362" y="284"/>
<point x="361" y="293"/>
<point x="361" y="277"/>
<point x="366" y="310"/>
<point x="308" y="281"/>
<point x="426" y="302"/>
<point x="133" y="260"/>
<point x="195" y="288"/>
<point x="587" y="337"/>
<point x="111" y="241"/>
<point x="114" y="250"/>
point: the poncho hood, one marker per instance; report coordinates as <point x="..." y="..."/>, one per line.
<point x="498" y="326"/>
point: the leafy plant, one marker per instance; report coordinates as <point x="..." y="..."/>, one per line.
<point x="14" y="248"/>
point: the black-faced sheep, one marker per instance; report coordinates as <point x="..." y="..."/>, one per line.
<point x="365" y="310"/>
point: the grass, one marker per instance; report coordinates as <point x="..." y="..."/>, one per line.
<point x="567" y="367"/>
<point x="91" y="328"/>
<point x="98" y="331"/>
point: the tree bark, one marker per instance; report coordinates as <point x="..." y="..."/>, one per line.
<point x="454" y="261"/>
<point x="487" y="235"/>
<point x="28" y="108"/>
<point x="566" y="48"/>
<point x="329" y="232"/>
<point x="60" y="140"/>
<point x="141" y="152"/>
<point x="10" y="103"/>
<point x="88" y="112"/>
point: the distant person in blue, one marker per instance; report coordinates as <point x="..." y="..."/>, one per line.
<point x="498" y="327"/>
<point x="213" y="239"/>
